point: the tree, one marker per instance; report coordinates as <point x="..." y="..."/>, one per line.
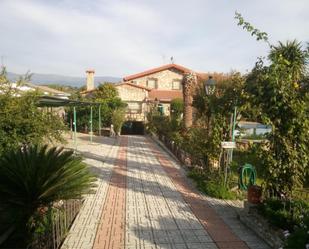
<point x="189" y="82"/>
<point x="177" y="107"/>
<point x="280" y="92"/>
<point x="293" y="55"/>
<point x="277" y="91"/>
<point x="118" y="118"/>
<point x="21" y="121"/>
<point x="105" y="91"/>
<point x="107" y="96"/>
<point x="32" y="179"/>
<point x="214" y="115"/>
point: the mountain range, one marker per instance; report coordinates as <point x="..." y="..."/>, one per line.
<point x="45" y="79"/>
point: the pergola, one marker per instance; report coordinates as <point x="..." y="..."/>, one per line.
<point x="50" y="101"/>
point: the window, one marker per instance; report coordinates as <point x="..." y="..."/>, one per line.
<point x="152" y="83"/>
<point x="176" y="85"/>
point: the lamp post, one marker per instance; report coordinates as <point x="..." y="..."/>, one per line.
<point x="210" y="86"/>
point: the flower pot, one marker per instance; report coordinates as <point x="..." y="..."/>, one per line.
<point x="254" y="194"/>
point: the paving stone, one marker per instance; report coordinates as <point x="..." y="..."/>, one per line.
<point x="149" y="204"/>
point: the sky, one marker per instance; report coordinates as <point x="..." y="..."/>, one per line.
<point x="123" y="37"/>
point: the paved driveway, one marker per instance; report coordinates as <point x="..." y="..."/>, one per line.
<point x="144" y="200"/>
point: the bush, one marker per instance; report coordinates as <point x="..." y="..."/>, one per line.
<point x="284" y="214"/>
<point x="31" y="180"/>
<point x="288" y="215"/>
<point x="118" y="118"/>
<point x="212" y="185"/>
<point x="297" y="240"/>
<point x="177" y="107"/>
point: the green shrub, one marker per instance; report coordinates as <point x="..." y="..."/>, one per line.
<point x="31" y="180"/>
<point x="212" y="185"/>
<point x="118" y="118"/>
<point x="297" y="240"/>
<point x="285" y="214"/>
<point x="291" y="215"/>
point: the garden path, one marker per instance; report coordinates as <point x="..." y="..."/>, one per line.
<point x="144" y="200"/>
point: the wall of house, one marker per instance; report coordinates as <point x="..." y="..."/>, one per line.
<point x="164" y="78"/>
<point x="131" y="95"/>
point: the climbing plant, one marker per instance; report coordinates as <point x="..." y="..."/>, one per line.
<point x="279" y="90"/>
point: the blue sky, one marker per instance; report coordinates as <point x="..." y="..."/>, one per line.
<point x="118" y="38"/>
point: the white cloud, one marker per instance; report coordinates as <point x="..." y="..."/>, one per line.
<point x="124" y="37"/>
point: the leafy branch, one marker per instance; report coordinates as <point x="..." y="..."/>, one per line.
<point x="251" y="29"/>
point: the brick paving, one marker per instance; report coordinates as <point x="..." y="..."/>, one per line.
<point x="144" y="200"/>
<point x="110" y="233"/>
<point x="100" y="156"/>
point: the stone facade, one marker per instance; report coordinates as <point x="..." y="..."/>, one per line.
<point x="131" y="93"/>
<point x="163" y="78"/>
<point x="136" y="99"/>
<point x="152" y="87"/>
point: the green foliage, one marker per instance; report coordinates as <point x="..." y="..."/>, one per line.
<point x="21" y="121"/>
<point x="275" y="90"/>
<point x="214" y="113"/>
<point x="251" y="156"/>
<point x="118" y="119"/>
<point x="164" y="125"/>
<point x="285" y="214"/>
<point x="293" y="57"/>
<point x="247" y="26"/>
<point x="107" y="96"/>
<point x="177" y="106"/>
<point x="211" y="185"/>
<point x="292" y="216"/>
<point x="298" y="240"/>
<point x="31" y="180"/>
<point x="105" y="92"/>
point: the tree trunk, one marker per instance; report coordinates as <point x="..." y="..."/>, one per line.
<point x="189" y="81"/>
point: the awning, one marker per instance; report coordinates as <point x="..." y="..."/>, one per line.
<point x="50" y="101"/>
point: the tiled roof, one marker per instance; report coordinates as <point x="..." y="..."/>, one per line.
<point x="155" y="70"/>
<point x="133" y="85"/>
<point x="165" y="95"/>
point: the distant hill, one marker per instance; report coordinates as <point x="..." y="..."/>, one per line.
<point x="45" y="79"/>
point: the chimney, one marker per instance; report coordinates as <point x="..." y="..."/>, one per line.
<point x="90" y="79"/>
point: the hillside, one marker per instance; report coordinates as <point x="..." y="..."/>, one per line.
<point x="46" y="79"/>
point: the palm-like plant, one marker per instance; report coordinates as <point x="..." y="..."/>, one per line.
<point x="31" y="180"/>
<point x="295" y="57"/>
<point x="189" y="82"/>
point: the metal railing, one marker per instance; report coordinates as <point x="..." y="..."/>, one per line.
<point x="56" y="230"/>
<point x="188" y="160"/>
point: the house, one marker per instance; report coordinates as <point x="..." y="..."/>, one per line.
<point x="140" y="91"/>
<point x="158" y="86"/>
<point x="137" y="99"/>
<point x="250" y="128"/>
<point x="44" y="90"/>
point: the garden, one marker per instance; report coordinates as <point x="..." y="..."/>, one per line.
<point x="274" y="93"/>
<point x="41" y="184"/>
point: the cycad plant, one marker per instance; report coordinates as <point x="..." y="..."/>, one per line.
<point x="31" y="180"/>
